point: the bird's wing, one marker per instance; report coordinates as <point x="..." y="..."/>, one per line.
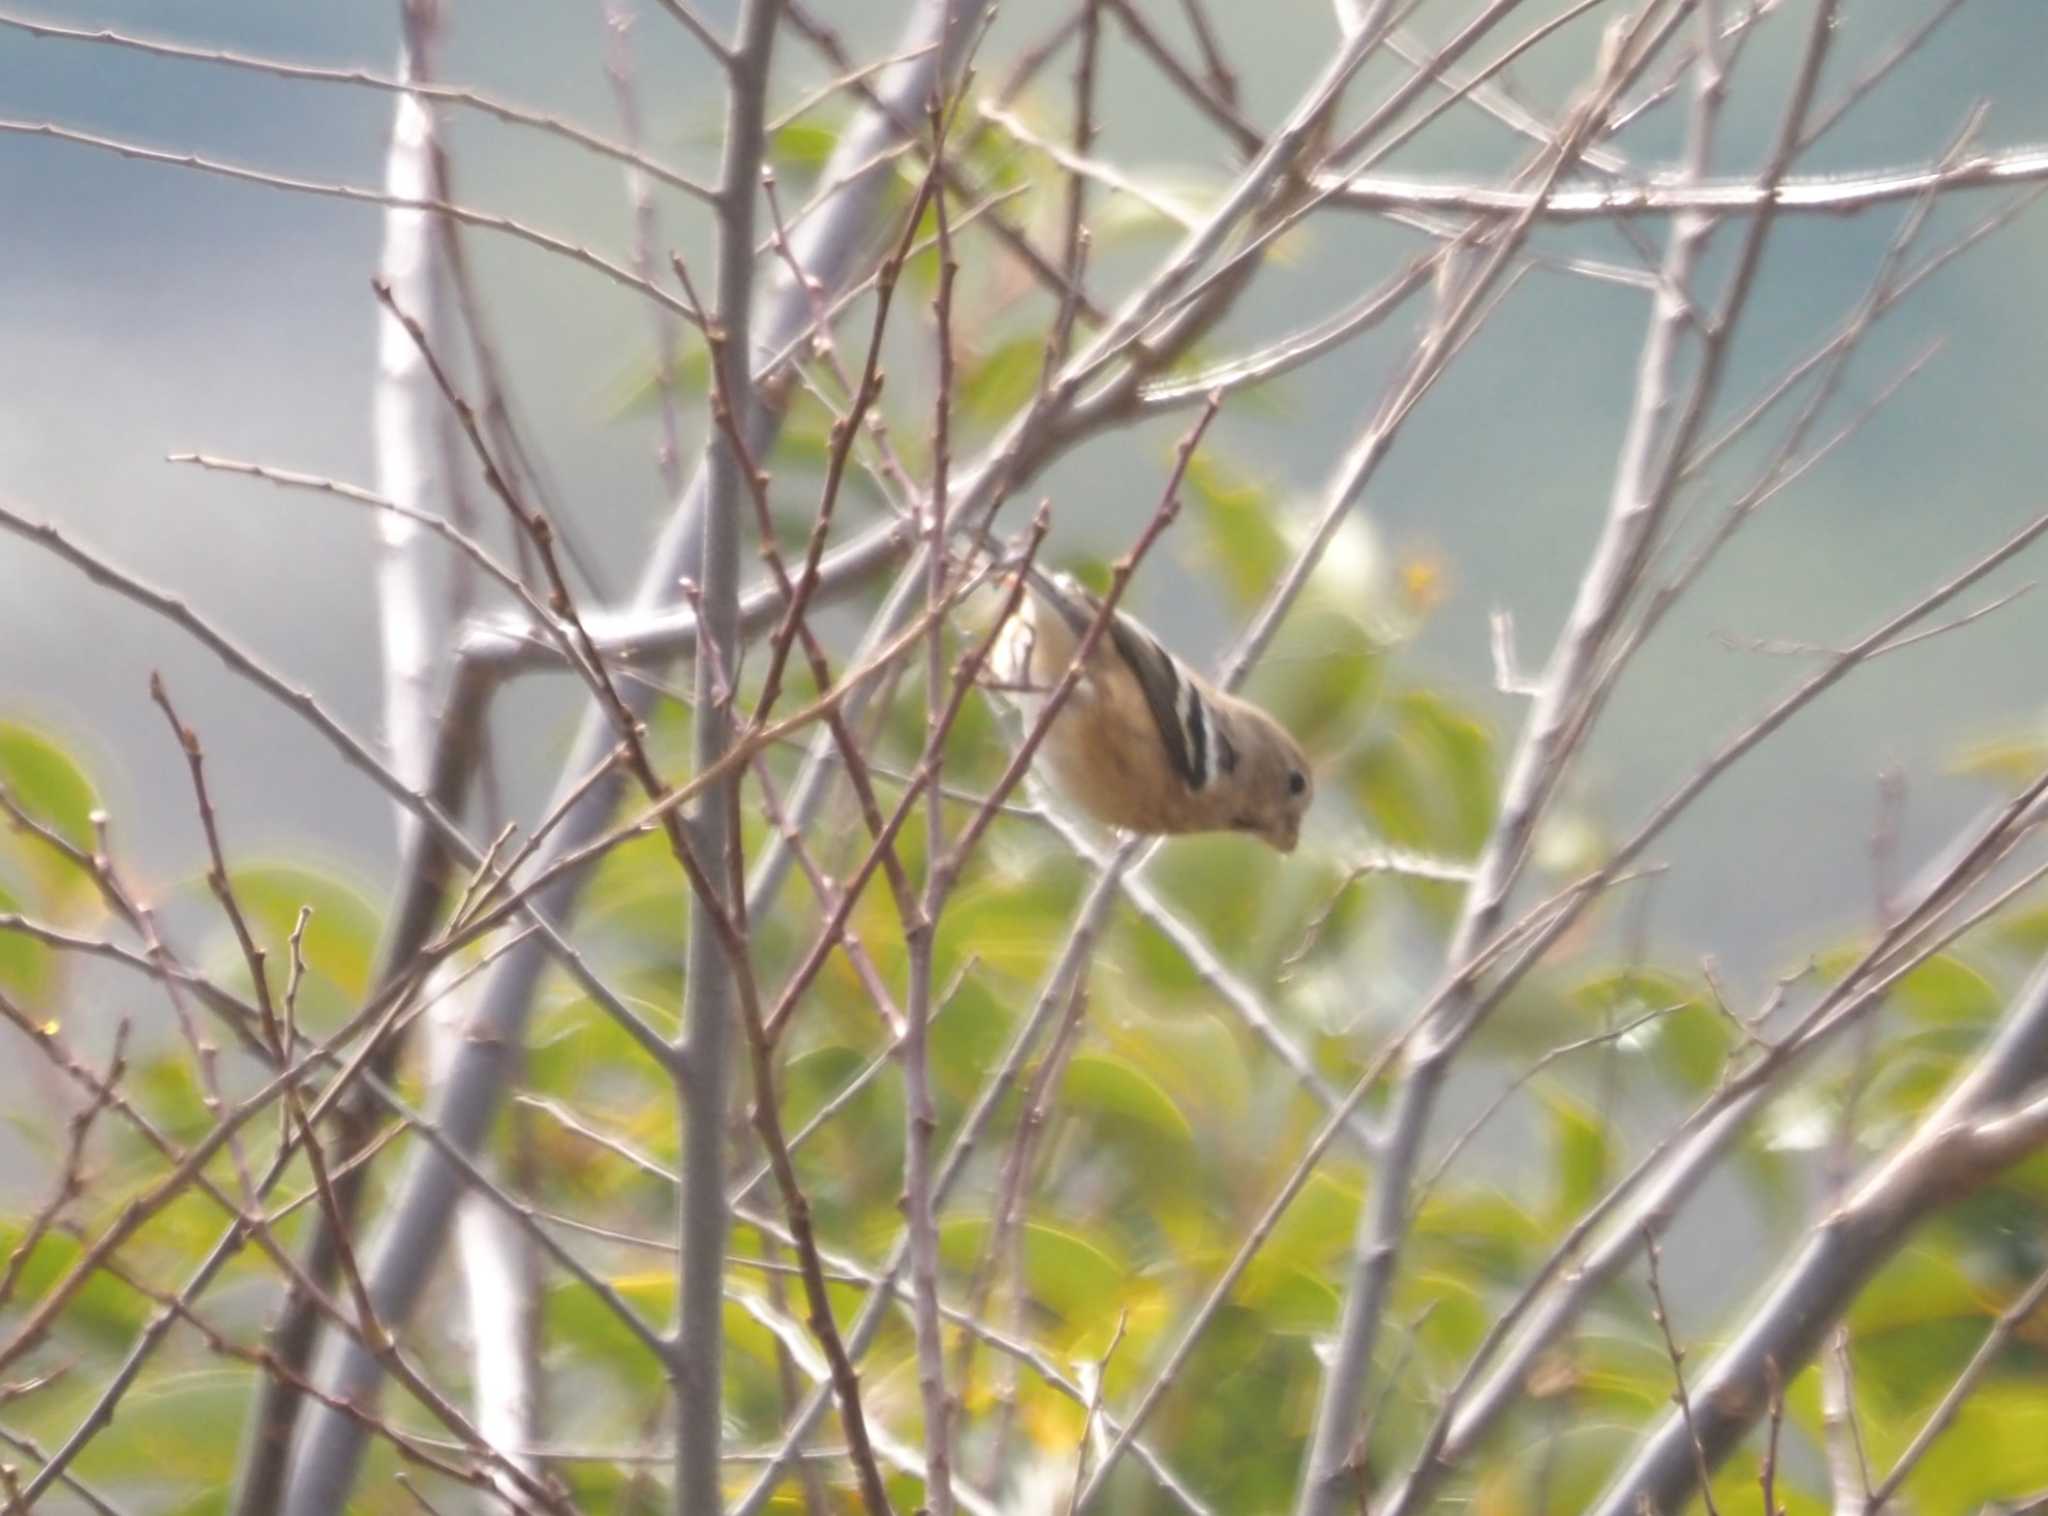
<point x="1172" y="696"/>
<point x="1177" y="707"/>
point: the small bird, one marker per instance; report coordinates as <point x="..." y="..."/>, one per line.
<point x="1143" y="742"/>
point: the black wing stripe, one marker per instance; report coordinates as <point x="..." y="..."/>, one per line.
<point x="1159" y="678"/>
<point x="1194" y="722"/>
<point x="1178" y="711"/>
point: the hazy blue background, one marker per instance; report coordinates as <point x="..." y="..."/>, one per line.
<point x="144" y="309"/>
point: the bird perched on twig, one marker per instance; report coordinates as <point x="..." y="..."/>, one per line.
<point x="1143" y="742"/>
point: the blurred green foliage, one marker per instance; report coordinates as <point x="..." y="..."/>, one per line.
<point x="1166" y="1131"/>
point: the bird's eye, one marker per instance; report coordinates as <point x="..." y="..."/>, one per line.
<point x="1297" y="782"/>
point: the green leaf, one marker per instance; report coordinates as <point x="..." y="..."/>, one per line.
<point x="107" y="1313"/>
<point x="2023" y="931"/>
<point x="1196" y="1056"/>
<point x="1425" y="777"/>
<point x="1688" y="1044"/>
<point x="592" y="1335"/>
<point x="1388" y="787"/>
<point x="805" y="145"/>
<point x="1913" y="1068"/>
<point x="1009" y="922"/>
<point x="1118" y="1090"/>
<point x="169" y="1087"/>
<point x="1317" y="1228"/>
<point x="1461" y="1231"/>
<point x="1944" y="990"/>
<point x="817" y="1075"/>
<point x="1078" y="1278"/>
<point x="1326" y="674"/>
<point x="1286" y="1296"/>
<point x="1580" y="1453"/>
<point x="341" y="936"/>
<point x="635" y="896"/>
<point x="1240" y="542"/>
<point x="1997" y="1448"/>
<point x="24" y="962"/>
<point x="1579" y="1154"/>
<point x="1921" y="1284"/>
<point x="1453" y="1314"/>
<point x="44" y="781"/>
<point x="968" y="1037"/>
<point x="212" y="1502"/>
<point x="1616" y="1375"/>
<point x="1001" y="381"/>
<point x="1232" y="891"/>
<point x="1458" y="751"/>
<point x="1772" y="1178"/>
<point x="2010" y="761"/>
<point x="178" y="1431"/>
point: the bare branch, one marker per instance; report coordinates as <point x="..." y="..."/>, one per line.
<point x="1948" y="1153"/>
<point x="420" y="89"/>
<point x="467" y="215"/>
<point x="1835" y="195"/>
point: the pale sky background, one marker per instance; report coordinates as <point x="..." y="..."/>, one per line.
<point x="145" y="310"/>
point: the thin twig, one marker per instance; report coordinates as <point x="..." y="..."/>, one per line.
<point x="356" y="194"/>
<point x="1661" y="1315"/>
<point x="445" y="94"/>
